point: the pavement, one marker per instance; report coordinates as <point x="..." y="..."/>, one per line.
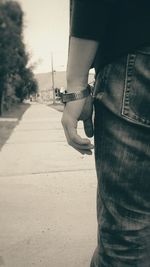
<point x="47" y="196"/>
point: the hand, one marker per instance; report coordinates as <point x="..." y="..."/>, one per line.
<point x="73" y="112"/>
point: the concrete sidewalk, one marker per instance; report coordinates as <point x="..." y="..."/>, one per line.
<point x="47" y="196"/>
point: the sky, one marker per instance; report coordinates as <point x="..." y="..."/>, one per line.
<point x="46" y="31"/>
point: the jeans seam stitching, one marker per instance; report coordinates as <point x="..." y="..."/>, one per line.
<point x="125" y="103"/>
<point x="128" y="79"/>
<point x="125" y="86"/>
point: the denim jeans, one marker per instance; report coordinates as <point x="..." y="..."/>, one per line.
<point x="122" y="155"/>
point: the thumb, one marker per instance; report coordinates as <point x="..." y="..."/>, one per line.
<point x="88" y="127"/>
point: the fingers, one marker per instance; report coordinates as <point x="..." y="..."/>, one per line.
<point x="72" y="113"/>
<point x="75" y="138"/>
<point x="82" y="145"/>
<point x="88" y="127"/>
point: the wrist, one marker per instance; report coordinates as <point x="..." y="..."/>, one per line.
<point x="75" y="88"/>
<point x="76" y="95"/>
<point x="74" y="85"/>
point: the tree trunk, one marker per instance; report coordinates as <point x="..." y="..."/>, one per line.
<point x="71" y="6"/>
<point x="1" y="102"/>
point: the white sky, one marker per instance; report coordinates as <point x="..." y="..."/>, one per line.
<point x="46" y="30"/>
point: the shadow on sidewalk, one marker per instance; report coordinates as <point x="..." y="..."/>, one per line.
<point x="10" y="119"/>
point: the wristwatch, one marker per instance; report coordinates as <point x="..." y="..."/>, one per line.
<point x="67" y="97"/>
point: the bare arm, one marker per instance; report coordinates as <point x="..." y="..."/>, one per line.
<point x="81" y="55"/>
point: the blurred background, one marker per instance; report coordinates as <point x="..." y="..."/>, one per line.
<point x="47" y="189"/>
<point x="33" y="51"/>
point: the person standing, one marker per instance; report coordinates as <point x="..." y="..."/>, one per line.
<point x="113" y="37"/>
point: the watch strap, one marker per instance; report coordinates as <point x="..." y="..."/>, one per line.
<point x="67" y="97"/>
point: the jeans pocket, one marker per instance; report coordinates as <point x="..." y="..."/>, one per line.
<point x="101" y="82"/>
<point x="136" y="97"/>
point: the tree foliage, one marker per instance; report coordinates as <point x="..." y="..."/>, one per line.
<point x="13" y="55"/>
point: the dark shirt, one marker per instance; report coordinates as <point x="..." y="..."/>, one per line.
<point x="118" y="25"/>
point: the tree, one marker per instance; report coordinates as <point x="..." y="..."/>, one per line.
<point x="13" y="55"/>
<point x="27" y="84"/>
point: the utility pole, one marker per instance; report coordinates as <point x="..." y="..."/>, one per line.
<point x="71" y="4"/>
<point x="52" y="73"/>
